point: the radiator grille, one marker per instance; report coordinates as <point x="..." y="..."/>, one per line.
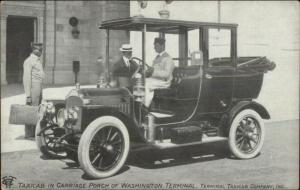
<point x="125" y="108"/>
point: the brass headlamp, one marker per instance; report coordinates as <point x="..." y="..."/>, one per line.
<point x="50" y="110"/>
<point x="69" y="115"/>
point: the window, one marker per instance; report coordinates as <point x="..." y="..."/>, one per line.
<point x="219" y="47"/>
<point x="193" y="45"/>
<point x="136" y="41"/>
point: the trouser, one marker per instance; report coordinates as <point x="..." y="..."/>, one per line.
<point x="36" y="92"/>
<point x="150" y="85"/>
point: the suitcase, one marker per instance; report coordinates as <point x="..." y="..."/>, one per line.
<point x="186" y="134"/>
<point x="23" y="114"/>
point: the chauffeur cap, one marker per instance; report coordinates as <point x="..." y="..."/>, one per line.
<point x="161" y="41"/>
<point x="38" y="46"/>
<point x="126" y="47"/>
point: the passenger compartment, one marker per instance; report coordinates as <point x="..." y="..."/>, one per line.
<point x="184" y="85"/>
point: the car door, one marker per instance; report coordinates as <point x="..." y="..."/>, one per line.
<point x="217" y="89"/>
<point x="218" y="73"/>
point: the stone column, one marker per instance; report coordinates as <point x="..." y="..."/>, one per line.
<point x="3" y="49"/>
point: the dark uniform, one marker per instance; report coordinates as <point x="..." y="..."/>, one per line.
<point x="123" y="69"/>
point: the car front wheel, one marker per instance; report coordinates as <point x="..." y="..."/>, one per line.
<point x="246" y="134"/>
<point x="103" y="147"/>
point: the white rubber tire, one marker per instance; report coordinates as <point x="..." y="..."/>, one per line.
<point x="232" y="134"/>
<point x="86" y="138"/>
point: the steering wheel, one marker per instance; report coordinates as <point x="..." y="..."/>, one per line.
<point x="140" y="64"/>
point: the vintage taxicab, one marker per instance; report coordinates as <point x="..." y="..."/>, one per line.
<point x="211" y="98"/>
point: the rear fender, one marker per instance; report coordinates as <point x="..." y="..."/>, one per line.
<point x="239" y="106"/>
<point x="227" y="118"/>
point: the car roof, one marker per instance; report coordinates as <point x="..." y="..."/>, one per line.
<point x="159" y="25"/>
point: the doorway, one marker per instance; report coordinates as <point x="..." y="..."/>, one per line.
<point x="19" y="35"/>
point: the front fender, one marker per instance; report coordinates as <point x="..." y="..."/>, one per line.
<point x="92" y="113"/>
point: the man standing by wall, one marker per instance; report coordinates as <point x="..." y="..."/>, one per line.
<point x="32" y="80"/>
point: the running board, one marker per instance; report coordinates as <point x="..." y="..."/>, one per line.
<point x="168" y="144"/>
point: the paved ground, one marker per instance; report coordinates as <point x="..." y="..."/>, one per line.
<point x="12" y="136"/>
<point x="277" y="166"/>
<point x="198" y="167"/>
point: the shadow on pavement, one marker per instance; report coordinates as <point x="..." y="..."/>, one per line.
<point x="71" y="162"/>
<point x="22" y="137"/>
<point x="123" y="169"/>
<point x="72" y="165"/>
<point x="154" y="159"/>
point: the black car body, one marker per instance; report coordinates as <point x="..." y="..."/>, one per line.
<point x="210" y="99"/>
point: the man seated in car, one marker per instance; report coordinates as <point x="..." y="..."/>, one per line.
<point x="160" y="75"/>
<point x="124" y="68"/>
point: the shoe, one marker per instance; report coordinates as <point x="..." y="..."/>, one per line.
<point x="30" y="138"/>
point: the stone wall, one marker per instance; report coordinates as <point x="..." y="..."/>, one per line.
<point x="19" y="8"/>
<point x="54" y="30"/>
<point x="91" y="42"/>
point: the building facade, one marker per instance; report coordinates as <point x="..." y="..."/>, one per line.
<point x="48" y="22"/>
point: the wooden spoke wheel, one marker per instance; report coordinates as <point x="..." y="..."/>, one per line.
<point x="103" y="147"/>
<point x="246" y="135"/>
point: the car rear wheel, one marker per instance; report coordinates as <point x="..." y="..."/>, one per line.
<point x="103" y="147"/>
<point x="246" y="134"/>
<point x="45" y="141"/>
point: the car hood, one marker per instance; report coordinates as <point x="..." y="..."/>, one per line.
<point x="95" y="92"/>
<point x="105" y="96"/>
<point x="61" y="93"/>
<point x="85" y="92"/>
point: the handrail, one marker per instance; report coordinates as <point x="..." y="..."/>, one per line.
<point x="250" y="61"/>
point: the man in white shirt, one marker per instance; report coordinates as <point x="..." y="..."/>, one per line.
<point x="33" y="76"/>
<point x="162" y="72"/>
